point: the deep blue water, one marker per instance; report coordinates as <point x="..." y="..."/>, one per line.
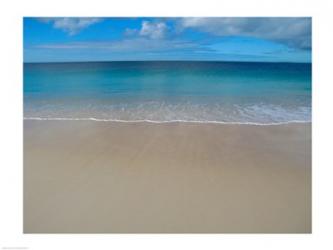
<point x="165" y="91"/>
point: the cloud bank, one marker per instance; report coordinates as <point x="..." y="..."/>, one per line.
<point x="292" y="31"/>
<point x="130" y="45"/>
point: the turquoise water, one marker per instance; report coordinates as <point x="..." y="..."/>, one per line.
<point x="169" y="91"/>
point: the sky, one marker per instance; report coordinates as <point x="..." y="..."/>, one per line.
<point x="263" y="39"/>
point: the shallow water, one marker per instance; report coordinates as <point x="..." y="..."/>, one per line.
<point x="234" y="92"/>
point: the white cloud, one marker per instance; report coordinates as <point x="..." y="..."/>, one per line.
<point x="292" y="31"/>
<point x="153" y="30"/>
<point x="71" y="25"/>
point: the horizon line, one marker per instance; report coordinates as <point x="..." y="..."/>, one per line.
<point x="108" y="61"/>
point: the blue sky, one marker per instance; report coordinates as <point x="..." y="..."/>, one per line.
<point x="65" y="39"/>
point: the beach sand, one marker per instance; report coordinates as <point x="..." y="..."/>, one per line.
<point x="112" y="177"/>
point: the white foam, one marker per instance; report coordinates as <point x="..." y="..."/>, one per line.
<point x="164" y="112"/>
<point x="158" y="122"/>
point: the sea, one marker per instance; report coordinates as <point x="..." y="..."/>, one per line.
<point x="169" y="91"/>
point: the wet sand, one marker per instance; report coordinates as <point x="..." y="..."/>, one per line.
<point x="110" y="177"/>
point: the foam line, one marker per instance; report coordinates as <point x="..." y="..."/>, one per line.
<point x="158" y="122"/>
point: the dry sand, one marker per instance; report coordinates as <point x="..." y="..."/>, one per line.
<point x="109" y="177"/>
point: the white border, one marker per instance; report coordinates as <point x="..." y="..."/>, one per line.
<point x="11" y="122"/>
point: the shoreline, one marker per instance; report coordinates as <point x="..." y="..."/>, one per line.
<point x="162" y="121"/>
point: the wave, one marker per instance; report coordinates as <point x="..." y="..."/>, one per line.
<point x="160" y="122"/>
<point x="166" y="112"/>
